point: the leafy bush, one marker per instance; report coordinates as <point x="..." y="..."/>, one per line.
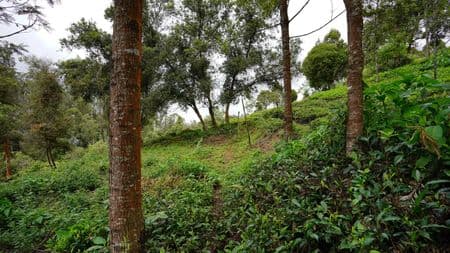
<point x="82" y="236"/>
<point x="392" y="55"/>
<point x="325" y="64"/>
<point x="390" y="196"/>
<point x="180" y="218"/>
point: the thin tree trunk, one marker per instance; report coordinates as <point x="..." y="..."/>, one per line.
<point x="126" y="219"/>
<point x="355" y="121"/>
<point x="7" y="155"/>
<point x="227" y="113"/>
<point x="211" y="112"/>
<point x="227" y="105"/>
<point x="48" y="157"/>
<point x="199" y="115"/>
<point x="289" y="132"/>
<point x="246" y="123"/>
<point x="52" y="160"/>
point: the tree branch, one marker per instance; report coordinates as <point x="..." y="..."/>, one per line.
<point x="25" y="27"/>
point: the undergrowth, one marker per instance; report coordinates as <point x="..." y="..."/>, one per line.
<point x="211" y="191"/>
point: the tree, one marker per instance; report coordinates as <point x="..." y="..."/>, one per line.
<point x="326" y="62"/>
<point x="437" y="26"/>
<point x="15" y="12"/>
<point x="355" y="121"/>
<point x="289" y="131"/>
<point x="83" y="127"/>
<point x="89" y="77"/>
<point x="266" y="98"/>
<point x="9" y="87"/>
<point x="242" y="45"/>
<point x="126" y="220"/>
<point x="44" y="115"/>
<point x="200" y="30"/>
<point x="181" y="82"/>
<point x="86" y="35"/>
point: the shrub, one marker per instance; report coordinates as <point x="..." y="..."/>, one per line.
<point x="392" y="55"/>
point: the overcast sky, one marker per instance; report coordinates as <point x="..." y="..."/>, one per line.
<point x="45" y="44"/>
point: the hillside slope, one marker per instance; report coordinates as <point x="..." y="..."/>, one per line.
<point x="211" y="191"/>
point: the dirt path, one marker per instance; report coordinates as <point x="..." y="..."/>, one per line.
<point x="217" y="213"/>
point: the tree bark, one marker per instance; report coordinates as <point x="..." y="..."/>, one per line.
<point x="52" y="160"/>
<point x="7" y="155"/>
<point x="199" y="115"/>
<point x="48" y="157"/>
<point x="289" y="132"/>
<point x="126" y="220"/>
<point x="227" y="113"/>
<point x="211" y="112"/>
<point x="355" y="121"/>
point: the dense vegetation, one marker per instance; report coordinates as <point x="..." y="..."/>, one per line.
<point x="211" y="191"/>
<point x="93" y="160"/>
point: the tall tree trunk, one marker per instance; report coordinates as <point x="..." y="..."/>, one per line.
<point x="289" y="132"/>
<point x="211" y="112"/>
<point x="227" y="113"/>
<point x="126" y="219"/>
<point x="355" y="121"/>
<point x="199" y="115"/>
<point x="7" y="155"/>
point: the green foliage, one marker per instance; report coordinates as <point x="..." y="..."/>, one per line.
<point x="266" y="98"/>
<point x="85" y="78"/>
<point x="210" y="191"/>
<point x="59" y="209"/>
<point x="392" y="195"/>
<point x="326" y="62"/>
<point x="180" y="218"/>
<point x="86" y="35"/>
<point x="9" y="92"/>
<point x="392" y="55"/>
<point x="83" y="127"/>
<point x="442" y="60"/>
<point x="83" y="236"/>
<point x="44" y="115"/>
<point x="243" y="47"/>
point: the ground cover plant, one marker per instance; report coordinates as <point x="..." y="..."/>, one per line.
<point x="211" y="191"/>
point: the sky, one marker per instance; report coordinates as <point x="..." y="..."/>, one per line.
<point x="45" y="44"/>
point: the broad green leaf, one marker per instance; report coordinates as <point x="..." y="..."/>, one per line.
<point x="99" y="240"/>
<point x="416" y="175"/>
<point x="435" y="132"/>
<point x="398" y="159"/>
<point x="94" y="248"/>
<point x="422" y="162"/>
